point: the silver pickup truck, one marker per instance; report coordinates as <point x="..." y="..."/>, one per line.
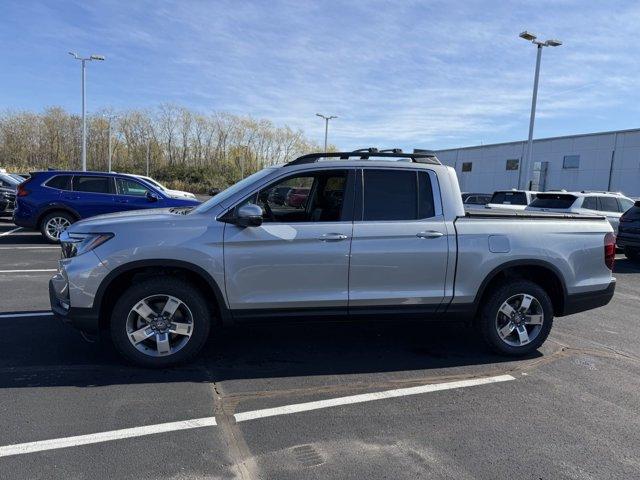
<point x="366" y="234"/>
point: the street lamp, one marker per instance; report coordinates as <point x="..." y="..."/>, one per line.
<point x="110" y="118"/>
<point x="84" y="121"/>
<point x="530" y="37"/>
<point x="326" y="127"/>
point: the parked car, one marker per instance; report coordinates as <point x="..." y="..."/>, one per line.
<point x="296" y="197"/>
<point x="213" y="191"/>
<point x="628" y="237"/>
<point x="169" y="192"/>
<point x="159" y="283"/>
<point x="51" y="201"/>
<point x="8" y="187"/>
<point x="511" y="199"/>
<point x="611" y="205"/>
<point x="474" y="201"/>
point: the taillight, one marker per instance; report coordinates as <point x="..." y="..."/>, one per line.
<point x="609" y="250"/>
<point x="22" y="191"/>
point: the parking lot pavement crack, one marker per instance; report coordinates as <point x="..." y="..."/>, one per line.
<point x="244" y="465"/>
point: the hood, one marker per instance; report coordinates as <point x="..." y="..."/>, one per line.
<point x="179" y="194"/>
<point x="102" y="222"/>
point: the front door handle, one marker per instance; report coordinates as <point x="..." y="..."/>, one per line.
<point x="333" y="237"/>
<point x="429" y="234"/>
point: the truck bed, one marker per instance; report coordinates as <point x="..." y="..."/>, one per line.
<point x="519" y="214"/>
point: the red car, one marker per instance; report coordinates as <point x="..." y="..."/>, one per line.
<point x="297" y="196"/>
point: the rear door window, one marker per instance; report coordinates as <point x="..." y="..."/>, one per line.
<point x="92" y="184"/>
<point x="397" y="195"/>
<point x="590" y="203"/>
<point x="608" y="204"/>
<point x="60" y="182"/>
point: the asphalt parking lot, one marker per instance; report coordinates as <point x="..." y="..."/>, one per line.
<point x="332" y="401"/>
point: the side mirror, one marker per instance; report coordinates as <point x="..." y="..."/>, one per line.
<point x="249" y="215"/>
<point x="152" y="197"/>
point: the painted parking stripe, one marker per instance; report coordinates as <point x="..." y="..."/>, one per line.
<point x="25" y="314"/>
<point x="367" y="397"/>
<point x="40" y="247"/>
<point x="37" y="270"/>
<point x="10" y="231"/>
<point x="53" y="444"/>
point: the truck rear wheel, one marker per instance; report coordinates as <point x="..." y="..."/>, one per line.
<point x="516" y="317"/>
<point x="54" y="224"/>
<point x="160" y="322"/>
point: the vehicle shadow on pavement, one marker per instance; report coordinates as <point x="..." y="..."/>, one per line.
<point x="57" y="356"/>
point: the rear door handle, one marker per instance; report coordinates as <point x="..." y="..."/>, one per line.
<point x="333" y="237"/>
<point x="429" y="234"/>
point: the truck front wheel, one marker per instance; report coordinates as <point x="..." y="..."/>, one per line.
<point x="516" y="317"/>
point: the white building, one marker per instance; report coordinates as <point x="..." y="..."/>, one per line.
<point x="593" y="161"/>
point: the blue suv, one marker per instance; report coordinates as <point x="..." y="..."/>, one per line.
<point x="51" y="201"/>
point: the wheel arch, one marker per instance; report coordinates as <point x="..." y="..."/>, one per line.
<point x="545" y="274"/>
<point x="121" y="277"/>
<point x="56" y="207"/>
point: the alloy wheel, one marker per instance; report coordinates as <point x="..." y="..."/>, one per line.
<point x="159" y="325"/>
<point x="55" y="226"/>
<point x="519" y="320"/>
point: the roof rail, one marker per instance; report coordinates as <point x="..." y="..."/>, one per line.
<point x="422" y="156"/>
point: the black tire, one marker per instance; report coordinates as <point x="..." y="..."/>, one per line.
<point x="632" y="253"/>
<point x="51" y="216"/>
<point x="175" y="287"/>
<point x="493" y="302"/>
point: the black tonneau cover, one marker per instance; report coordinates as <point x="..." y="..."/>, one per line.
<point x="516" y="214"/>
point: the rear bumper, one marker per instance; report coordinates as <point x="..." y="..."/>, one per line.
<point x="624" y="240"/>
<point x="581" y="302"/>
<point x="84" y="319"/>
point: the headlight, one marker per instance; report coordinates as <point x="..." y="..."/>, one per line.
<point x="74" y="244"/>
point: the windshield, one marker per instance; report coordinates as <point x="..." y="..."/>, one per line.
<point x="553" y="200"/>
<point x="233" y="189"/>
<point x="153" y="182"/>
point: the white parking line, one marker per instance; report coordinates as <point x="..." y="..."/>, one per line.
<point x="37" y="270"/>
<point x="40" y="247"/>
<point x="25" y="314"/>
<point x="367" y="397"/>
<point x="31" y="447"/>
<point x="10" y="231"/>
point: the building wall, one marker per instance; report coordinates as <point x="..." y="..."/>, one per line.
<point x="489" y="173"/>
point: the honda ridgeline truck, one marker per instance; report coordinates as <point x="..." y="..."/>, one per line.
<point x="379" y="234"/>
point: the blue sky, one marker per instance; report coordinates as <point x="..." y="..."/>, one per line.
<point x="428" y="74"/>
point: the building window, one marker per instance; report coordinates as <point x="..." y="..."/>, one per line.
<point x="513" y="164"/>
<point x="571" y="161"/>
<point x="467" y="166"/>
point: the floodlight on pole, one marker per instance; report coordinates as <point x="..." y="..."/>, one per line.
<point x="84" y="60"/>
<point x="326" y="127"/>
<point x="527" y="163"/>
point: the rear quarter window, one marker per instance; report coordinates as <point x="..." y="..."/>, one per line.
<point x="60" y="182"/>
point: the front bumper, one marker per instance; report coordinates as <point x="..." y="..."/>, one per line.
<point x="581" y="302"/>
<point x="84" y="319"/>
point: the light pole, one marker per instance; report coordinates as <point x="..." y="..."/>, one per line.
<point x="530" y="37"/>
<point x="326" y="127"/>
<point x="84" y="60"/>
<point x="110" y="118"/>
